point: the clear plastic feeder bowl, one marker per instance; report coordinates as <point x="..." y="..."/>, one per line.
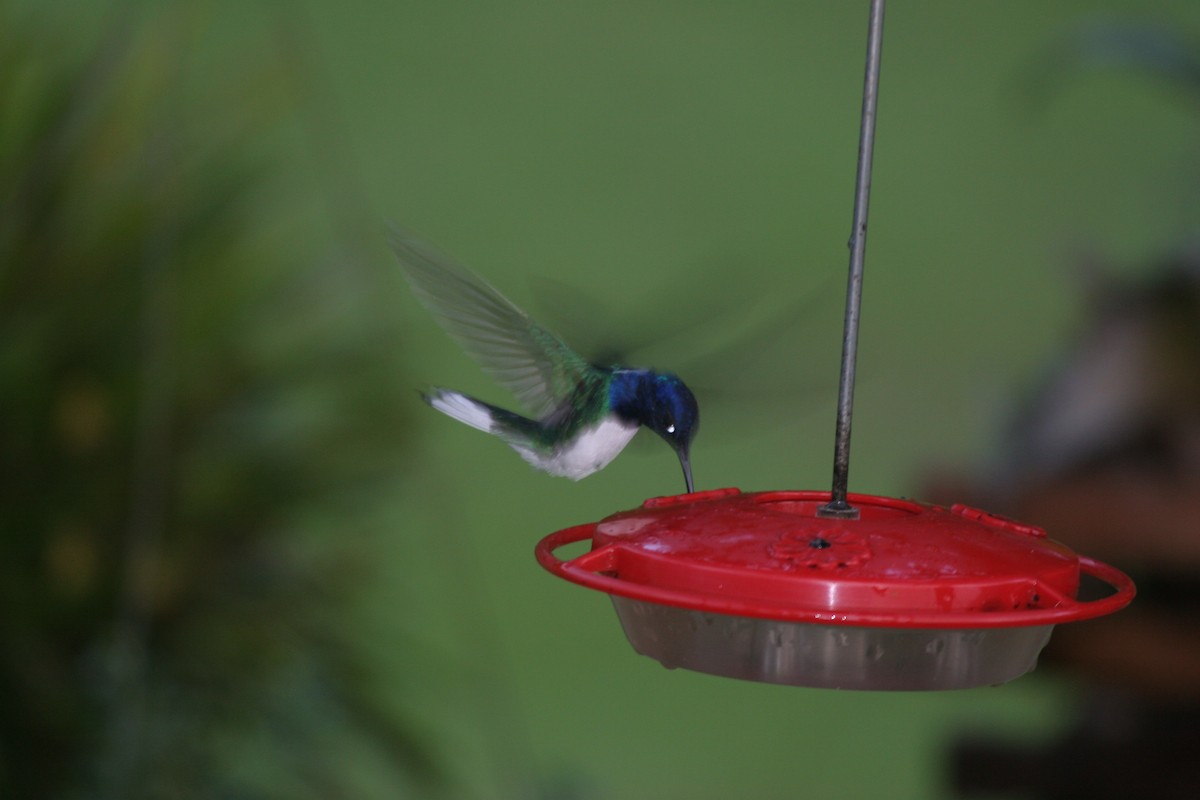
<point x="906" y="597"/>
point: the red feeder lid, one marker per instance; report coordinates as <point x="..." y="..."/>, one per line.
<point x="769" y="555"/>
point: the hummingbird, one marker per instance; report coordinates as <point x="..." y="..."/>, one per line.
<point x="581" y="414"/>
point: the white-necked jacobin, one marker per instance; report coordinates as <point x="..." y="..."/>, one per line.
<point x="583" y="414"/>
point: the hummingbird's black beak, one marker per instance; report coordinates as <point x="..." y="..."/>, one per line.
<point x="686" y="463"/>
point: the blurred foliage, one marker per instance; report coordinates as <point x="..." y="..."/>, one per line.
<point x="196" y="420"/>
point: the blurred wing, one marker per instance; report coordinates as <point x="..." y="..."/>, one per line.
<point x="533" y="363"/>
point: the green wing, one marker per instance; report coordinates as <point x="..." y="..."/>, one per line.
<point x="533" y="363"/>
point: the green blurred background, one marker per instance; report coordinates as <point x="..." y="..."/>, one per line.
<point x="243" y="560"/>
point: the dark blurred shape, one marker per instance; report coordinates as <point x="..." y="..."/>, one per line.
<point x="1111" y="753"/>
<point x="1105" y="454"/>
<point x="197" y="423"/>
<point x="1126" y="395"/>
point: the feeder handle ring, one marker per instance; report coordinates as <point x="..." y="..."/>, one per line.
<point x="1122" y="583"/>
<point x="546" y="547"/>
<point x="596" y="560"/>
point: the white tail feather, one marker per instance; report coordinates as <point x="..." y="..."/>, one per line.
<point x="462" y="408"/>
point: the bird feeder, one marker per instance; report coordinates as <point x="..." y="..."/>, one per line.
<point x="762" y="586"/>
<point x="831" y="589"/>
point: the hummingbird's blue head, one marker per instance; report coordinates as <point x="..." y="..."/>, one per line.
<point x="664" y="404"/>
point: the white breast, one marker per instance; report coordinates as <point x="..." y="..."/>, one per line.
<point x="590" y="451"/>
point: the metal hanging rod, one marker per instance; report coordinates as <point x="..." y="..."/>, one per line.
<point x="838" y="506"/>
